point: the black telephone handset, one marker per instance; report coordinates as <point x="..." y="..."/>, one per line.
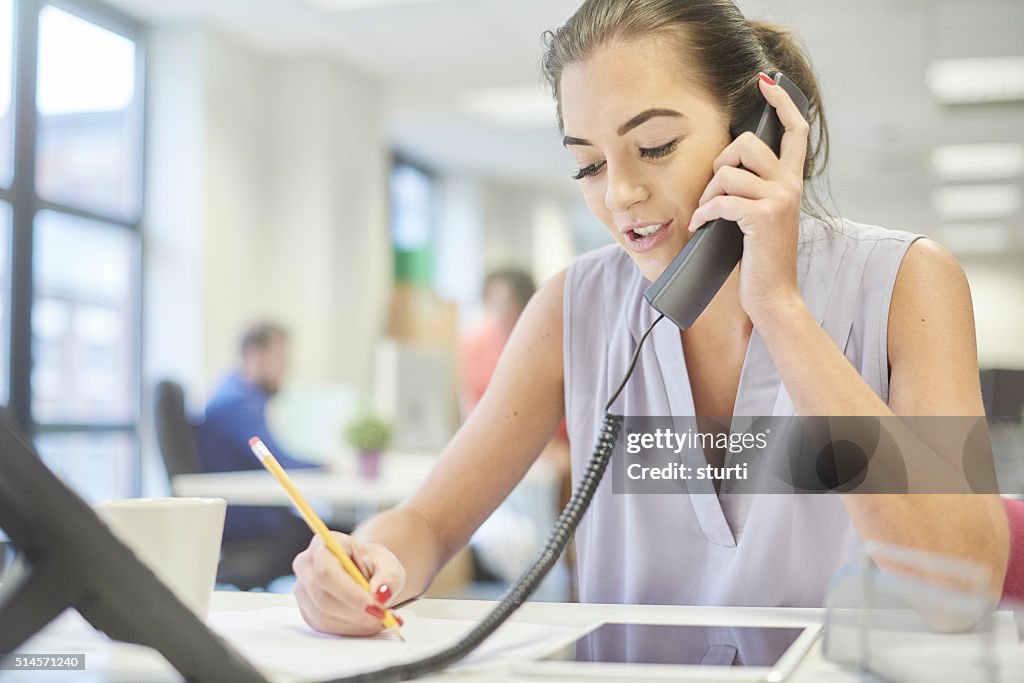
<point x="693" y="278"/>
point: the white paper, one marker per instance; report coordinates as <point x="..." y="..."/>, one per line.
<point x="279" y="642"/>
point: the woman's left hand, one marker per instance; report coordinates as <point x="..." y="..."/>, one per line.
<point x="763" y="198"/>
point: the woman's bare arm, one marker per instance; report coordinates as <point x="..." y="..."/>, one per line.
<point x="406" y="546"/>
<point x="934" y="363"/>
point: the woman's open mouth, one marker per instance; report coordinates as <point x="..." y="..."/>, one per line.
<point x="648" y="237"/>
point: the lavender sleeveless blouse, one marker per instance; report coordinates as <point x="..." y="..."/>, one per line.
<point x="766" y="550"/>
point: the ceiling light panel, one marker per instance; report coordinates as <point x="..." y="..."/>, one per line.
<point x="972" y="202"/>
<point x="976" y="81"/>
<point x="980" y="238"/>
<point x="347" y="5"/>
<point x="978" y="162"/>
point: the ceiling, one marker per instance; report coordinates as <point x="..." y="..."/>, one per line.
<point x="871" y="57"/>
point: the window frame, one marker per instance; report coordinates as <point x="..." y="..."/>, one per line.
<point x="26" y="203"/>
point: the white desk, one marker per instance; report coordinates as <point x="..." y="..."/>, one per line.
<point x="118" y="662"/>
<point x="401" y="474"/>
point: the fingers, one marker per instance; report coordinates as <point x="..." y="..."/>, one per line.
<point x="332" y="601"/>
<point x="750" y="152"/>
<point x="748" y="170"/>
<point x="793" y="151"/>
<point x="328" y="617"/>
<point x="387" y="577"/>
<point x="735" y="181"/>
<point x="723" y="206"/>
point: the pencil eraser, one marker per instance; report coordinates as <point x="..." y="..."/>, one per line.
<point x="253" y="441"/>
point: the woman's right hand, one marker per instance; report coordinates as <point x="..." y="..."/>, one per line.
<point x="331" y="601"/>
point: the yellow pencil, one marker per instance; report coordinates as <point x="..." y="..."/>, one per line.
<point x="316" y="524"/>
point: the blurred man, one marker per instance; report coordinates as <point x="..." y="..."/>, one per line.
<point x="236" y="413"/>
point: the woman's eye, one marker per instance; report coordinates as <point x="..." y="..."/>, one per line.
<point x="656" y="152"/>
<point x="588" y="171"/>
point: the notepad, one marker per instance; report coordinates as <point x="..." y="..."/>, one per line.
<point x="279" y="642"/>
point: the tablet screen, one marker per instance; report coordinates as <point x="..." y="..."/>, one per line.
<point x="613" y="643"/>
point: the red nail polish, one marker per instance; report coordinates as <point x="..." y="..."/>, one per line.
<point x="766" y="78"/>
<point x="383" y="593"/>
<point x="375" y="612"/>
<point x="400" y="620"/>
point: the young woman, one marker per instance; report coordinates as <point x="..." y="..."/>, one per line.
<point x="819" y="319"/>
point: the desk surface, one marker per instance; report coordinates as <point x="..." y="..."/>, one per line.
<point x="119" y="662"/>
<point x="401" y="474"/>
<point x="813" y="668"/>
<point x="138" y="664"/>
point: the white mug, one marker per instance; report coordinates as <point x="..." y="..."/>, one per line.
<point x="178" y="538"/>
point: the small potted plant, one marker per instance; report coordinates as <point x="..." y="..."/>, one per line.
<point x="369" y="435"/>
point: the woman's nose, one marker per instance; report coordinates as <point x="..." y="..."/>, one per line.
<point x="624" y="189"/>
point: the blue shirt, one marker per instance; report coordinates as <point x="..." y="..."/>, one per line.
<point x="236" y="413"/>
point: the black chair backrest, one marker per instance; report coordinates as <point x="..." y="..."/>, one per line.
<point x="174" y="432"/>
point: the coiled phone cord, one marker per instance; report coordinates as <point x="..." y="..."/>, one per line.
<point x="530" y="579"/>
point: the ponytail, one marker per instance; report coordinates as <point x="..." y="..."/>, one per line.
<point x="785" y="54"/>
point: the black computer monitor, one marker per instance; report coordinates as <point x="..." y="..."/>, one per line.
<point x="69" y="559"/>
<point x="1003" y="394"/>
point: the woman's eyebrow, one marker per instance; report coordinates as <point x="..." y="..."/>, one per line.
<point x="640" y="118"/>
<point x="644" y="116"/>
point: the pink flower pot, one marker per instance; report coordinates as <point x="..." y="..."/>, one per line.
<point x="369" y="464"/>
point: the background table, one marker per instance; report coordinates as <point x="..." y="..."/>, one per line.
<point x="401" y="474"/>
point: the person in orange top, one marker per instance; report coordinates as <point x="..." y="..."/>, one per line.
<point x="506" y="293"/>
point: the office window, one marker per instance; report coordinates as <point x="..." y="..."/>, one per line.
<point x="5" y="298"/>
<point x="101" y="465"/>
<point x="74" y="89"/>
<point x="6" y="92"/>
<point x="88" y="125"/>
<point x="84" y="323"/>
<point x="413" y="206"/>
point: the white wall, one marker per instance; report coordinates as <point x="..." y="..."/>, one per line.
<point x="237" y="197"/>
<point x="508" y="225"/>
<point x="266" y="199"/>
<point x="328" y="242"/>
<point x="175" y="210"/>
<point x="458" y="265"/>
<point x="488" y="224"/>
<point x="997" y="289"/>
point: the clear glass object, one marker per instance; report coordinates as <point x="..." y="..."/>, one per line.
<point x="904" y="614"/>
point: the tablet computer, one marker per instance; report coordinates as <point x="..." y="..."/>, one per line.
<point x="634" y="651"/>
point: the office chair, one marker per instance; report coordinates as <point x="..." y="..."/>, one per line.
<point x="247" y="562"/>
<point x="174" y="431"/>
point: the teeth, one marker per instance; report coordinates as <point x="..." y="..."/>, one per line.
<point x="649" y="230"/>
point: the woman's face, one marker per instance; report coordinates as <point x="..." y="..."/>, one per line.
<point x="644" y="135"/>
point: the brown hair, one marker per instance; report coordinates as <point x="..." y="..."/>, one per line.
<point x="519" y="281"/>
<point x="260" y="335"/>
<point x="729" y="52"/>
